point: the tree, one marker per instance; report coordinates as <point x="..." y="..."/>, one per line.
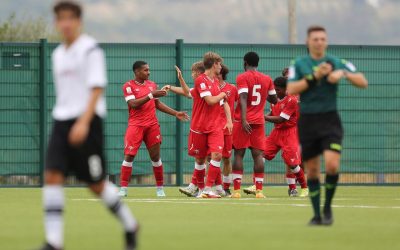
<point x="26" y="30"/>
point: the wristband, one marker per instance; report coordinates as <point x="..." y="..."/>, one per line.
<point x="150" y="96"/>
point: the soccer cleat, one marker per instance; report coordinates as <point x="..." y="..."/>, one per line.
<point x="188" y="191"/>
<point x="315" y="221"/>
<point x="327" y="220"/>
<point x="228" y="192"/>
<point x="304" y="192"/>
<point x="209" y="195"/>
<point x="293" y="193"/>
<point x="123" y="192"/>
<point x="160" y="192"/>
<point x="250" y="190"/>
<point x="131" y="240"/>
<point x="259" y="194"/>
<point x="221" y="193"/>
<point x="236" y="194"/>
<point x="47" y="246"/>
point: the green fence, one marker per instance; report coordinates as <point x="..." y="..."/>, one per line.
<point x="371" y="117"/>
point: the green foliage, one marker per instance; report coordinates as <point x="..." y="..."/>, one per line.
<point x="26" y="29"/>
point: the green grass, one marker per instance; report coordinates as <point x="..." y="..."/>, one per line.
<point x="365" y="218"/>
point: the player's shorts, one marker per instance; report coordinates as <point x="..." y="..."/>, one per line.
<point x="134" y="135"/>
<point x="202" y="144"/>
<point x="286" y="140"/>
<point x="319" y="132"/>
<point x="243" y="140"/>
<point x="85" y="161"/>
<point x="227" y="151"/>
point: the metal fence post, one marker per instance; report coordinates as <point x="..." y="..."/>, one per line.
<point x="43" y="105"/>
<point x="179" y="148"/>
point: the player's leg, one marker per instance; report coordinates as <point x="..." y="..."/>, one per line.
<point x="227" y="165"/>
<point x="106" y="191"/>
<point x="237" y="171"/>
<point x="133" y="139"/>
<point x="332" y="163"/>
<point x="152" y="138"/>
<point x="312" y="166"/>
<point x="257" y="155"/>
<point x="291" y="181"/>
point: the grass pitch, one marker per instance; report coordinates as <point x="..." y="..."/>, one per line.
<point x="365" y="218"/>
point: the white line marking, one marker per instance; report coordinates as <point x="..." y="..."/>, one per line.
<point x="208" y="201"/>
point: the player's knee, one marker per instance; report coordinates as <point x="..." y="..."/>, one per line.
<point x="129" y="158"/>
<point x="216" y="157"/>
<point x="53" y="177"/>
<point x="97" y="188"/>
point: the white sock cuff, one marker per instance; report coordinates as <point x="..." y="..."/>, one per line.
<point x="156" y="163"/>
<point x="127" y="164"/>
<point x="236" y="176"/>
<point x="291" y="180"/>
<point x="295" y="170"/>
<point x="227" y="179"/>
<point x="258" y="179"/>
<point x="215" y="163"/>
<point x="199" y="167"/>
<point x="53" y="195"/>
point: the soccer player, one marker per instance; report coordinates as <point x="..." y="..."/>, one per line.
<point x="142" y="95"/>
<point x="284" y="136"/>
<point x="206" y="136"/>
<point x="254" y="88"/>
<point x="231" y="97"/>
<point x="315" y="77"/>
<point x="76" y="141"/>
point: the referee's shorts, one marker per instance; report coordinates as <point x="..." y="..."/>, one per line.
<point x="319" y="132"/>
<point x="86" y="161"/>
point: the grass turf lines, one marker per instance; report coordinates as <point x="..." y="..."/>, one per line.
<point x="365" y="218"/>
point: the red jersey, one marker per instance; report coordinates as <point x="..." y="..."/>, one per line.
<point x="287" y="108"/>
<point x="205" y="118"/>
<point x="144" y="115"/>
<point x="232" y="96"/>
<point x="258" y="86"/>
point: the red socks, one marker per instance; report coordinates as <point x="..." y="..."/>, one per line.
<point x="291" y="180"/>
<point x="299" y="174"/>
<point x="158" y="171"/>
<point x="213" y="172"/>
<point x="126" y="173"/>
<point x="237" y="179"/>
<point x="258" y="180"/>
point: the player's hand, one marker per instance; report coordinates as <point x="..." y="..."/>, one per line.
<point x="178" y="72"/>
<point x="246" y="127"/>
<point x="335" y="76"/>
<point x="166" y="88"/>
<point x="159" y="93"/>
<point x="229" y="126"/>
<point x="182" y="116"/>
<point x="323" y="70"/>
<point x="223" y="95"/>
<point x="78" y="133"/>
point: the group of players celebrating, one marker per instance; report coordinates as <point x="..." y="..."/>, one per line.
<point x="224" y="117"/>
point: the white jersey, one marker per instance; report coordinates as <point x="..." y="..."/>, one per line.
<point x="76" y="71"/>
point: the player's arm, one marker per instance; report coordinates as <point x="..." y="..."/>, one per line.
<point x="285" y="114"/>
<point x="274" y="119"/>
<point x="97" y="80"/>
<point x="176" y="90"/>
<point x="243" y="91"/>
<point x="229" y="124"/>
<point x="183" y="116"/>
<point x="212" y="100"/>
<point x="298" y="84"/>
<point x="182" y="82"/>
<point x="349" y="72"/>
<point x="136" y="103"/>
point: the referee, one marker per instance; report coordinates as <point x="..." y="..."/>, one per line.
<point x="76" y="141"/>
<point x="315" y="77"/>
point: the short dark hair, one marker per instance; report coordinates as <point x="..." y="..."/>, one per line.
<point x="224" y="71"/>
<point x="68" y="5"/>
<point x="285" y="72"/>
<point x="315" y="28"/>
<point x="280" y="82"/>
<point x="137" y="65"/>
<point x="251" y="58"/>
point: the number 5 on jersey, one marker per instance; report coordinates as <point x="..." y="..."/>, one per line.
<point x="256" y="94"/>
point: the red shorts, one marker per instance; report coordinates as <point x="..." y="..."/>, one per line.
<point x="243" y="140"/>
<point x="227" y="151"/>
<point x="286" y="140"/>
<point x="134" y="136"/>
<point x="200" y="145"/>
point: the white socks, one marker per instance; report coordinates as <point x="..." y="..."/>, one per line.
<point x="53" y="204"/>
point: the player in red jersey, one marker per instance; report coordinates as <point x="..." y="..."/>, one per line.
<point x="284" y="136"/>
<point x="142" y="96"/>
<point x="206" y="136"/>
<point x="254" y="89"/>
<point x="231" y="97"/>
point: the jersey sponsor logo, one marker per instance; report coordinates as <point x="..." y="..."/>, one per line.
<point x="202" y="86"/>
<point x="129" y="90"/>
